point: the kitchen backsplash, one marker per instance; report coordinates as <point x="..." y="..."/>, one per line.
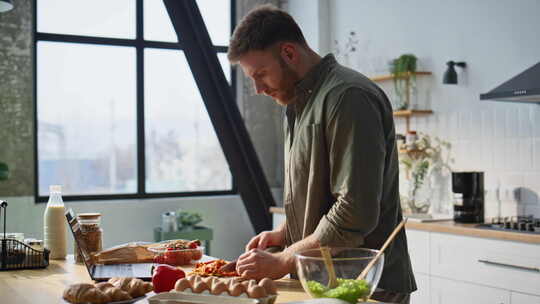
<point x="503" y="140"/>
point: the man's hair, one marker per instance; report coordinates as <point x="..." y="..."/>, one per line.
<point x="261" y="28"/>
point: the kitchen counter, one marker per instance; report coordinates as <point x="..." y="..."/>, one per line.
<point x="45" y="286"/>
<point x="460" y="229"/>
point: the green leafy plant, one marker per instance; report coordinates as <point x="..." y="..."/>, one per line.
<point x="4" y="171"/>
<point x="423" y="157"/>
<point x="187" y="219"/>
<point x="403" y="68"/>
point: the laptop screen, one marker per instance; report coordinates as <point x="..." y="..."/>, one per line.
<point x="73" y="224"/>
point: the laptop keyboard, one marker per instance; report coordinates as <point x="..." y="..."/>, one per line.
<point x="109" y="271"/>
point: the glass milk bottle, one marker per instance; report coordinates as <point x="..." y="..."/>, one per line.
<point x="55" y="224"/>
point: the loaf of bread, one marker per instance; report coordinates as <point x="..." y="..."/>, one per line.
<point x="124" y="254"/>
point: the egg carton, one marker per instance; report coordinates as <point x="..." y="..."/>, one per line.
<point x="205" y="297"/>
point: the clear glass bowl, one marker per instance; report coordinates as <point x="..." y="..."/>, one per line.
<point x="348" y="264"/>
<point x="177" y="257"/>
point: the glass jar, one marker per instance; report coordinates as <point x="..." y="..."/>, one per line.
<point x="410" y="140"/>
<point x="91" y="234"/>
<point x="168" y="222"/>
<point x="35" y="244"/>
<point x="18" y="236"/>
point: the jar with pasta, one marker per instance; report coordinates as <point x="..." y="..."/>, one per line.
<point x="91" y="234"/>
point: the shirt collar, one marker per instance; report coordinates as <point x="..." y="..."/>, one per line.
<point x="310" y="81"/>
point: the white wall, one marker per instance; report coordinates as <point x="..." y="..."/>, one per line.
<point x="133" y="220"/>
<point x="312" y="17"/>
<point x="497" y="39"/>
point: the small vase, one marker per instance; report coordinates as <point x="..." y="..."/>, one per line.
<point x="417" y="200"/>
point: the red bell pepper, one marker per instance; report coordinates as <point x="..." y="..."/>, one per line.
<point x="165" y="276"/>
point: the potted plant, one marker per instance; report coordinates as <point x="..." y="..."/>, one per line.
<point x="187" y="220"/>
<point x="428" y="157"/>
<point x="187" y="229"/>
<point x="402" y="70"/>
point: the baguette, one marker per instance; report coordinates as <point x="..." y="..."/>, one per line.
<point x="125" y="254"/>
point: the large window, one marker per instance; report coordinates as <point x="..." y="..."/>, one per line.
<point x="118" y="113"/>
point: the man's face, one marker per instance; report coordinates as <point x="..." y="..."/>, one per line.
<point x="271" y="74"/>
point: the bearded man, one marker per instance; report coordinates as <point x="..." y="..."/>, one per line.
<point x="341" y="166"/>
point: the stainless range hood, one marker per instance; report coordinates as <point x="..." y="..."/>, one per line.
<point x="524" y="87"/>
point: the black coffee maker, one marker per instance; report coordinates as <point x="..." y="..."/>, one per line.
<point x="468" y="189"/>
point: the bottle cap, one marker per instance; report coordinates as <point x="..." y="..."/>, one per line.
<point x="55" y="188"/>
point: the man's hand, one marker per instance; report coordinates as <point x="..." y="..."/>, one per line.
<point x="266" y="239"/>
<point x="258" y="264"/>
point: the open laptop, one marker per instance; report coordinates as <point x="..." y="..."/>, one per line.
<point x="101" y="272"/>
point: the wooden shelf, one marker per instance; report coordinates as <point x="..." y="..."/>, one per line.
<point x="410" y="113"/>
<point x="407" y="114"/>
<point x="390" y="77"/>
<point x="413" y="153"/>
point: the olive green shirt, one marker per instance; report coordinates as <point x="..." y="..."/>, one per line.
<point x="341" y="168"/>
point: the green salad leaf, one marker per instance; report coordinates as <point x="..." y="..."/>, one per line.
<point x="348" y="290"/>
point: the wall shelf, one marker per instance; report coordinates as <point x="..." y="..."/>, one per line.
<point x="413" y="153"/>
<point x="410" y="113"/>
<point x="407" y="114"/>
<point x="390" y="77"/>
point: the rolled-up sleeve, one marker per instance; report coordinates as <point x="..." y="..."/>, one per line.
<point x="356" y="147"/>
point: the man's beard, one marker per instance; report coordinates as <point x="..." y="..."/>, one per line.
<point x="287" y="84"/>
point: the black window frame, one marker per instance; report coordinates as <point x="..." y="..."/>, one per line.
<point x="139" y="44"/>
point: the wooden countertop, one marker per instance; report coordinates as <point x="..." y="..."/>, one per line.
<point x="45" y="286"/>
<point x="460" y="229"/>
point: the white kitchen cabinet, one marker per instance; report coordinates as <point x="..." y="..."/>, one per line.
<point x="503" y="264"/>
<point x="418" y="244"/>
<point x="521" y="298"/>
<point x="421" y="296"/>
<point x="445" y="291"/>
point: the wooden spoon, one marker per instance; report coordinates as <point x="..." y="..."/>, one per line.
<point x="332" y="280"/>
<point x="388" y="241"/>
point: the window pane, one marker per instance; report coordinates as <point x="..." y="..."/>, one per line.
<point x="225" y="65"/>
<point x="216" y="15"/>
<point x="104" y="18"/>
<point x="157" y="24"/>
<point x="182" y="151"/>
<point x="86" y="107"/>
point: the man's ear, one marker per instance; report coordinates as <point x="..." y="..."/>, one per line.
<point x="289" y="52"/>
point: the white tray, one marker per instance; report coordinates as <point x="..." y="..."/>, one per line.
<point x="198" y="298"/>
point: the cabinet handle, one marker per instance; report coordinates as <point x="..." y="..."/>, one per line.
<point x="510" y="265"/>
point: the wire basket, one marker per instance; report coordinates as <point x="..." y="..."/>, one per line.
<point x="17" y="255"/>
